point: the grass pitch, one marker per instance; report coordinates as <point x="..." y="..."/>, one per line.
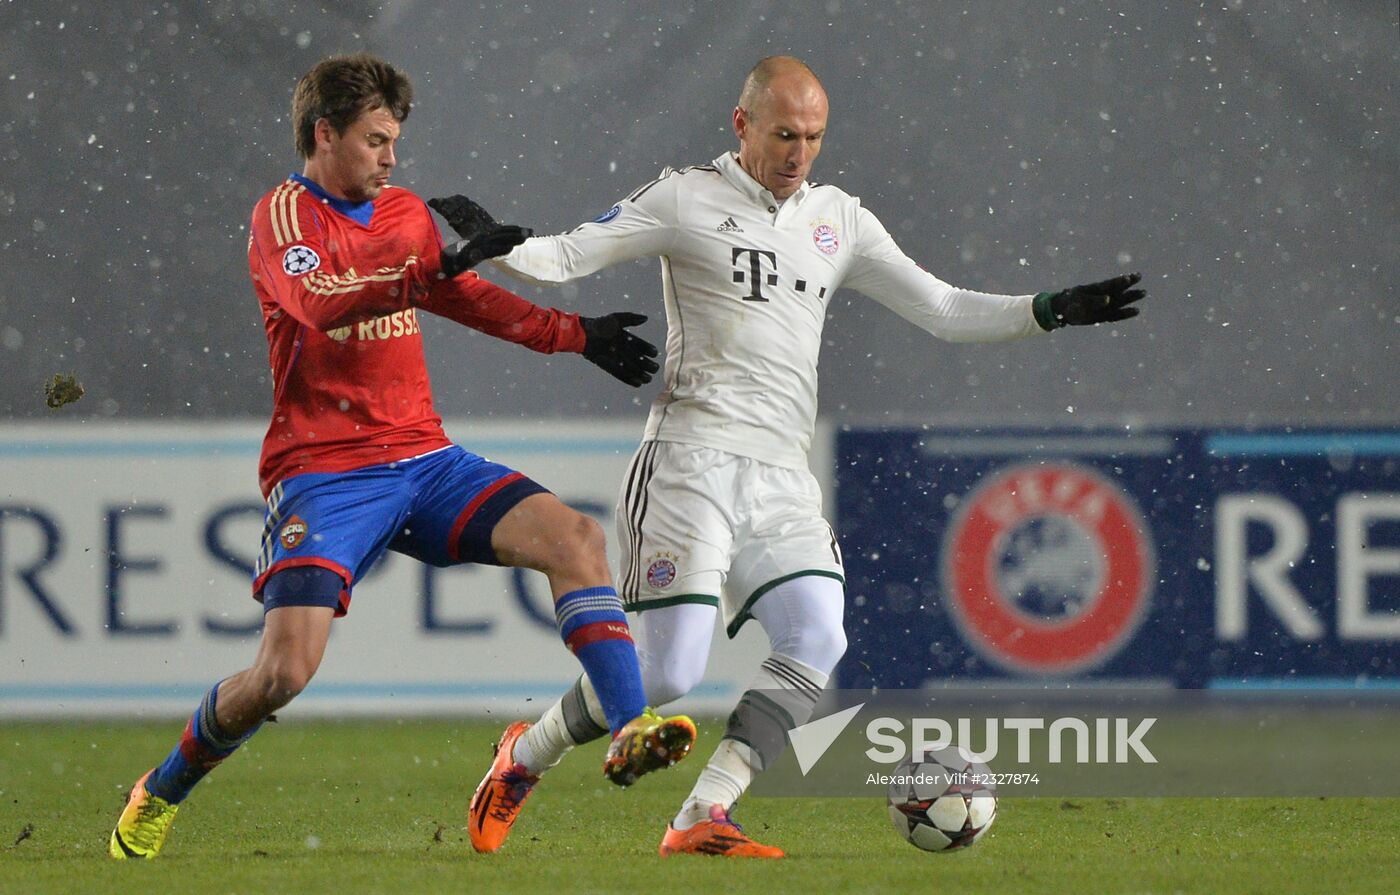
<point x="380" y="806"/>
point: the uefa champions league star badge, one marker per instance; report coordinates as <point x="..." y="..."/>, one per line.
<point x="299" y="260"/>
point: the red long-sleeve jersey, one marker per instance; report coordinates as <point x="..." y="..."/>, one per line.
<point x="341" y="284"/>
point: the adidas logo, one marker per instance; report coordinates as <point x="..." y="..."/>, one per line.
<point x="729" y="226"/>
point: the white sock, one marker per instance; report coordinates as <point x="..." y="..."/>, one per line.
<point x="574" y="719"/>
<point x="541" y="747"/>
<point x="784" y="692"/>
<point x="724" y="779"/>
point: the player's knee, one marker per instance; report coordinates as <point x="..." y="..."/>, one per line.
<point x="279" y="682"/>
<point x="589" y="539"/>
<point x="819" y="644"/>
<point x="580" y="548"/>
<point x="669" y="680"/>
<point x="673" y="646"/>
<point x="669" y="676"/>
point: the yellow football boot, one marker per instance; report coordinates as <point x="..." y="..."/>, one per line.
<point x="647" y="743"/>
<point x="141" y="830"/>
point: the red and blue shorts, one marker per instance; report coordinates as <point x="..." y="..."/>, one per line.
<point x="439" y="508"/>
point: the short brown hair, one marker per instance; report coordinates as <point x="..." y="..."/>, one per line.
<point x="340" y="89"/>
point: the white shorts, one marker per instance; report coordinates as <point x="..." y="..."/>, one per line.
<point x="698" y="525"/>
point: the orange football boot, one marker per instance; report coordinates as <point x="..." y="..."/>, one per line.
<point x="717" y="836"/>
<point x="497" y="801"/>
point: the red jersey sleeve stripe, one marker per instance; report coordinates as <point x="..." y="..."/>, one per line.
<point x="285" y="226"/>
<point x="292" y="211"/>
<point x="274" y="211"/>
<point x="330" y="284"/>
<point x="272" y="214"/>
<point x="279" y="214"/>
<point x="321" y="284"/>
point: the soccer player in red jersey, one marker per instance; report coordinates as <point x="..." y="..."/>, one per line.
<point x="355" y="460"/>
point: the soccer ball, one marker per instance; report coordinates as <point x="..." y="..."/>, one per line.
<point x="942" y="801"/>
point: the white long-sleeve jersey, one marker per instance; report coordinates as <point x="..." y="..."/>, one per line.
<point x="747" y="281"/>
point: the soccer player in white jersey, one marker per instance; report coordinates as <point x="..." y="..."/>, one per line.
<point x="718" y="511"/>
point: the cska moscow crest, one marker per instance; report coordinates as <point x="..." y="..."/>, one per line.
<point x="293" y="533"/>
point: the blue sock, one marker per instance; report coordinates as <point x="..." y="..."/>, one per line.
<point x="594" y="627"/>
<point x="202" y="746"/>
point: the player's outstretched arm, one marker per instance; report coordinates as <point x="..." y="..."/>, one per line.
<point x="481" y="236"/>
<point x="616" y="351"/>
<point x="604" y="341"/>
<point x="492" y="242"/>
<point x="643" y="225"/>
<point x="608" y="344"/>
<point x="1106" y="301"/>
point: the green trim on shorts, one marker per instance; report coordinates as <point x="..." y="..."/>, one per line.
<point x="733" y="628"/>
<point x="644" y="605"/>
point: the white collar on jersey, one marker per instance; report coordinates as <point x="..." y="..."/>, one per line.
<point x="754" y="191"/>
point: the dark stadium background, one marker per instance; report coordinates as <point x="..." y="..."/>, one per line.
<point x="1242" y="155"/>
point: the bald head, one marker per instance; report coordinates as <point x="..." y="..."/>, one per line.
<point x="780" y="122"/>
<point x="778" y="74"/>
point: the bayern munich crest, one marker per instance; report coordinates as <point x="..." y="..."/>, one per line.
<point x="661" y="574"/>
<point x="825" y="238"/>
<point x="1048" y="569"/>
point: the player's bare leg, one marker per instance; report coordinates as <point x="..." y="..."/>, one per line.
<point x="570" y="549"/>
<point x="293" y="642"/>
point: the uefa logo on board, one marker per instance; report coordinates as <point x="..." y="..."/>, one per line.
<point x="1048" y="569"/>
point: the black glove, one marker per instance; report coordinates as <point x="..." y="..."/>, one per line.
<point x="465" y="217"/>
<point x="465" y="254"/>
<point x="609" y="345"/>
<point x="1102" y="302"/>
